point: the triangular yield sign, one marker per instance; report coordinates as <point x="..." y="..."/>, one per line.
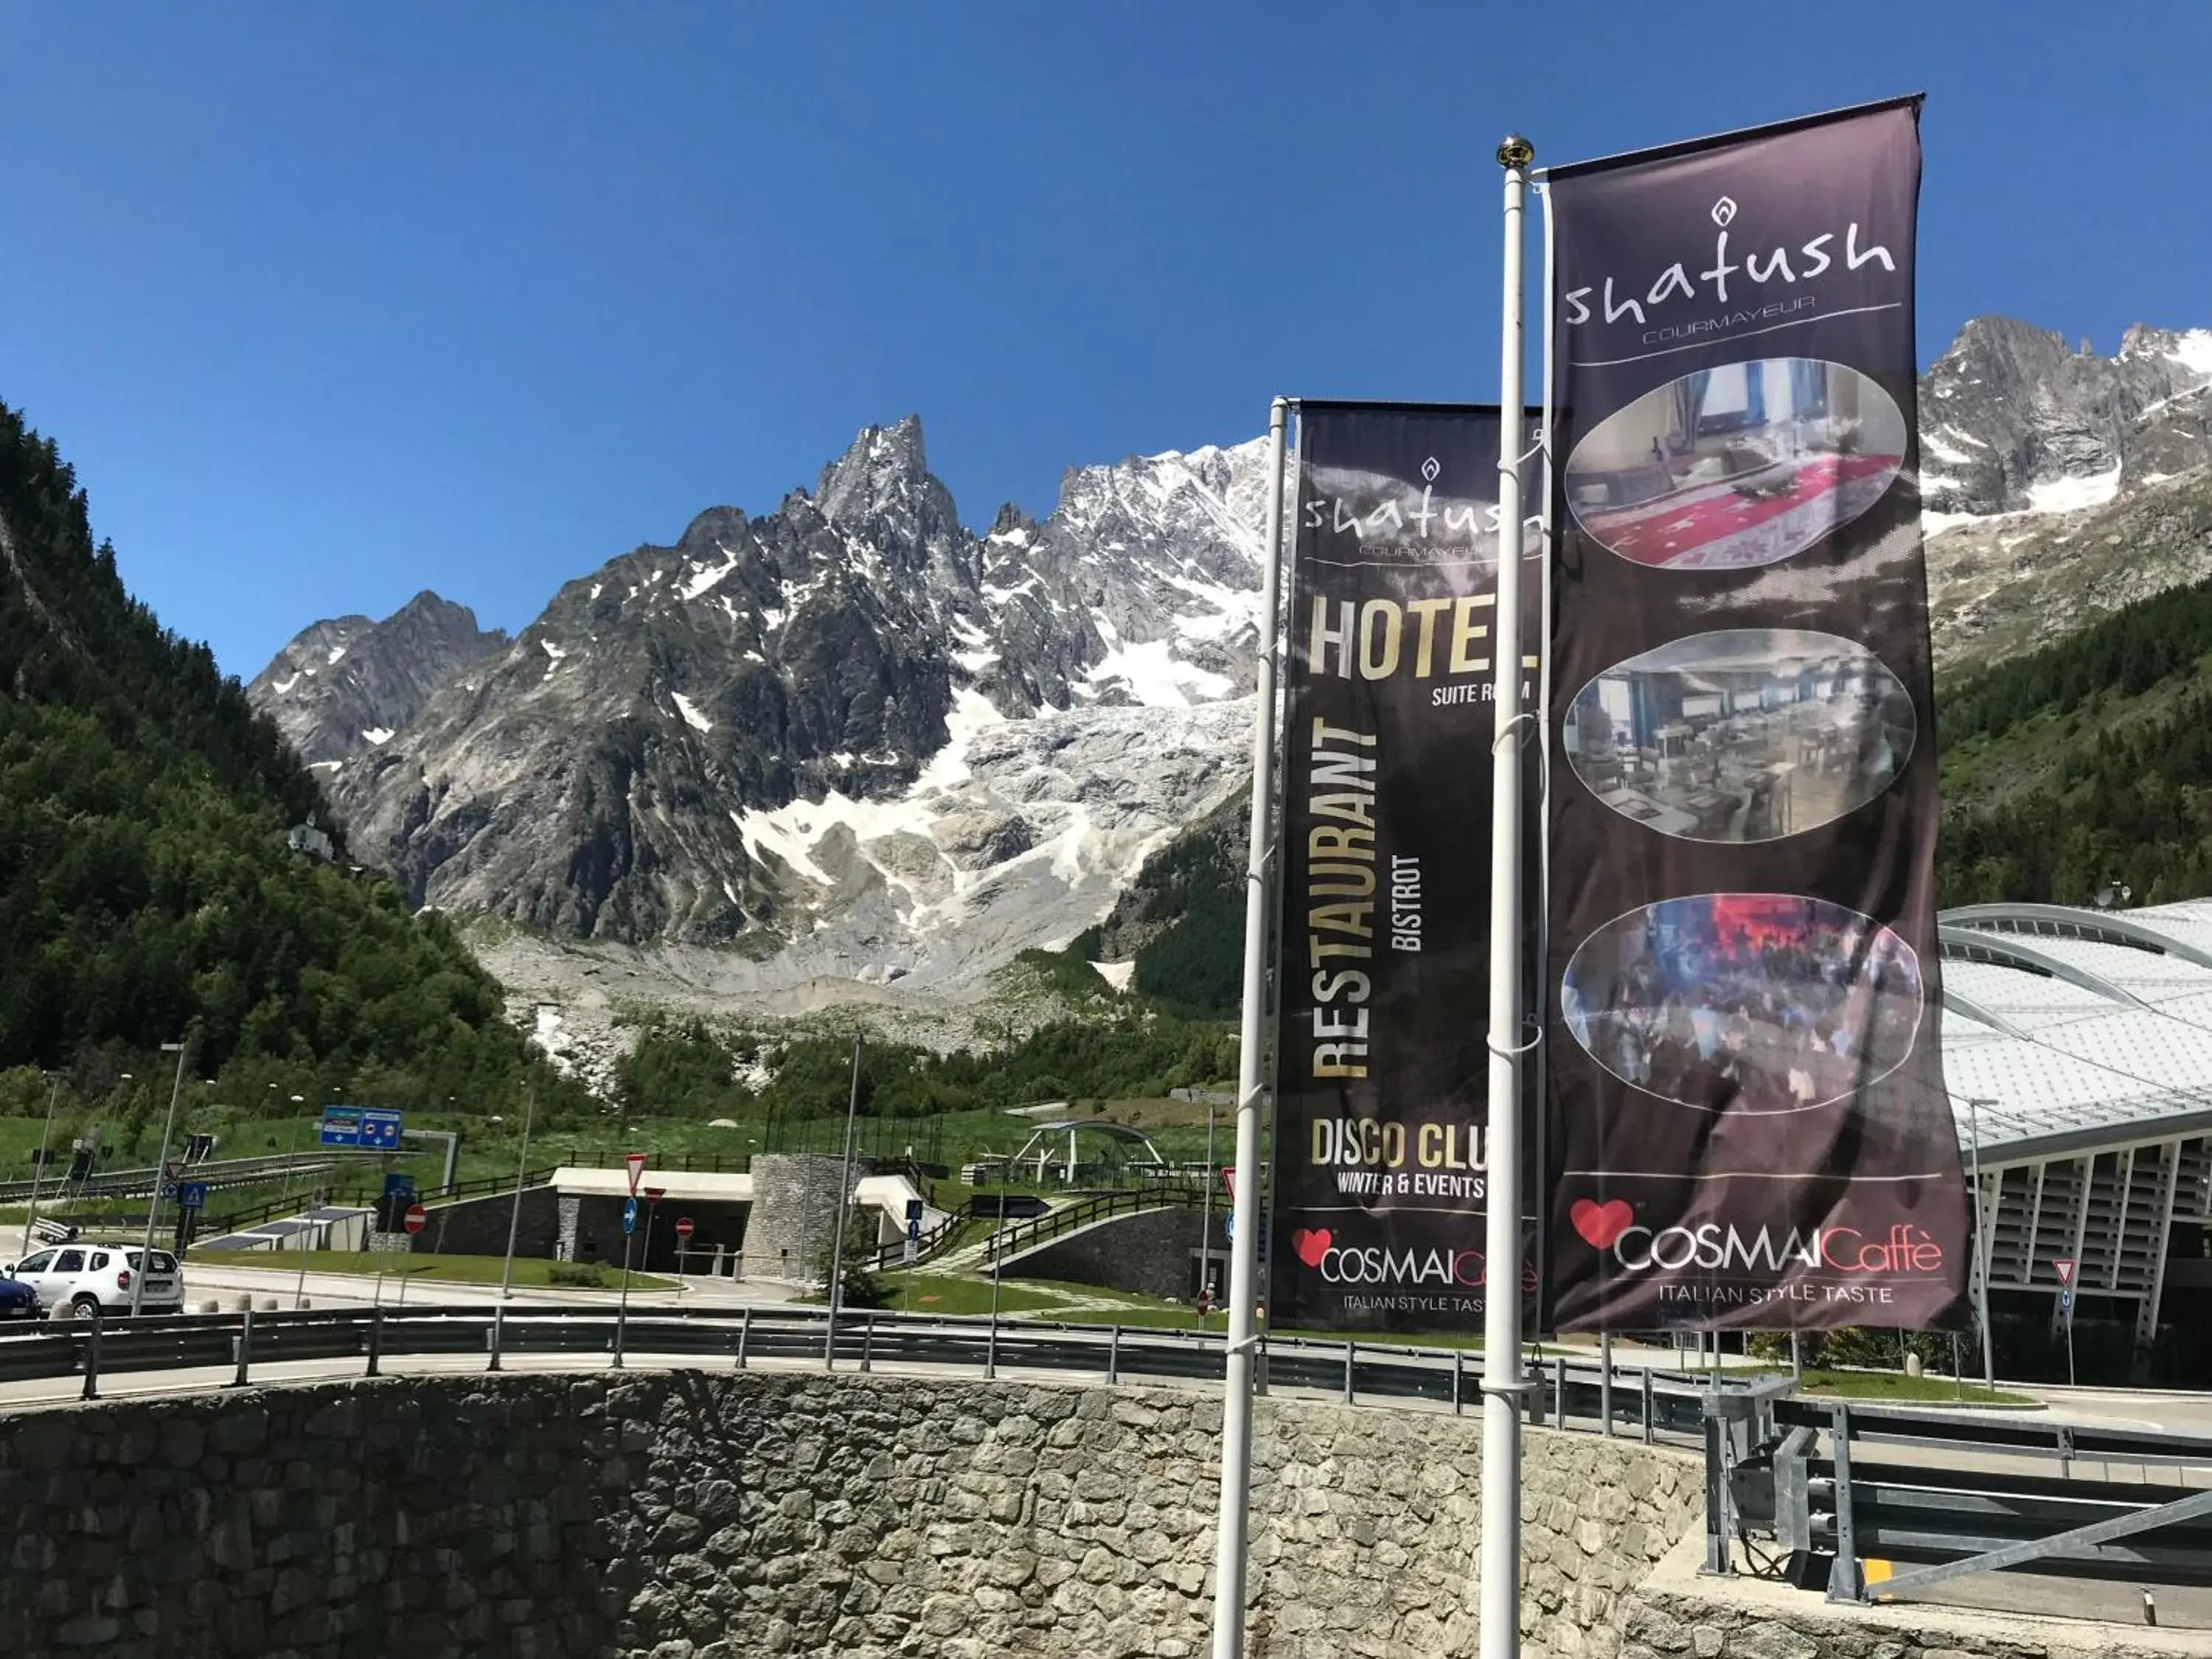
<point x="1229" y="1181"/>
<point x="2064" y="1265"/>
<point x="635" y="1162"/>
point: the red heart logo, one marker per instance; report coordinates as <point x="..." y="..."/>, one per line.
<point x="1601" y="1224"/>
<point x="1311" y="1244"/>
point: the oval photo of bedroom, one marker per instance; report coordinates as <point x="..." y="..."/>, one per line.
<point x="1736" y="467"/>
<point x="1741" y="735"/>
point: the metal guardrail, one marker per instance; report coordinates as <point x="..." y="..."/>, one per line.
<point x="140" y="1183"/>
<point x="1639" y="1402"/>
<point x="1945" y="1521"/>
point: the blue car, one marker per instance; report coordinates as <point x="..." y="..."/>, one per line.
<point x="17" y="1300"/>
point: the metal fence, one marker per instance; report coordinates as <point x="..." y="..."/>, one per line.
<point x="1022" y="1235"/>
<point x="1632" y="1401"/>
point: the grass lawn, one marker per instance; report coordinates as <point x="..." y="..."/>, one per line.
<point x="453" y="1269"/>
<point x="1895" y="1385"/>
<point x="942" y="1294"/>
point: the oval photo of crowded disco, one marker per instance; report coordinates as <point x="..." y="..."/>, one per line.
<point x="1734" y="467"/>
<point x="1744" y="734"/>
<point x="1750" y="1002"/>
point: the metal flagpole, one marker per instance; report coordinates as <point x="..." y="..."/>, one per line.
<point x="1501" y="1328"/>
<point x="1542" y="931"/>
<point x="1231" y="1530"/>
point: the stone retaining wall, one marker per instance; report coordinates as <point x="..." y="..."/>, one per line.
<point x="689" y="1514"/>
<point x="478" y="1226"/>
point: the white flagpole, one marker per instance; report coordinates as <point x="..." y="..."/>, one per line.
<point x="1230" y="1532"/>
<point x="1501" y="1326"/>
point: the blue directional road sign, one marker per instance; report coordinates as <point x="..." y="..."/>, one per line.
<point x="2066" y="1302"/>
<point x="914" y="1228"/>
<point x="629" y="1215"/>
<point x="192" y="1195"/>
<point x="376" y="1127"/>
<point x="1229" y="1226"/>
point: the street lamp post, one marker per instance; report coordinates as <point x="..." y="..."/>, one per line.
<point x="1206" y="1223"/>
<point x="307" y="1232"/>
<point x="161" y="1172"/>
<point x="515" y="1215"/>
<point x="46" y="1136"/>
<point x="1981" y="1246"/>
<point x="844" y="1204"/>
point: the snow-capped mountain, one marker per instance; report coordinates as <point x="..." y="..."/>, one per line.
<point x="2059" y="484"/>
<point x="858" y="741"/>
<point x="348" y="684"/>
<point x="849" y="736"/>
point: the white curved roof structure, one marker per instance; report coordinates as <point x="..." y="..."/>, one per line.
<point x="2077" y="1050"/>
<point x="2074" y="1027"/>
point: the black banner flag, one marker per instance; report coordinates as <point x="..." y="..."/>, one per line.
<point x="1381" y="1120"/>
<point x="1750" y="1129"/>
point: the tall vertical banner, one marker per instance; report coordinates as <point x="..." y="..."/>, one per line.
<point x="1750" y="1129"/>
<point x="1380" y="1119"/>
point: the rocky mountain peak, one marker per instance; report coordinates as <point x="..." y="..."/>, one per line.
<point x="2015" y="420"/>
<point x="843" y="732"/>
<point x="885" y="468"/>
<point x="2059" y="483"/>
<point x="348" y="684"/>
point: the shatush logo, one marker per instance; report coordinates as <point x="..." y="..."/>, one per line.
<point x="1782" y="265"/>
<point x="1395" y="516"/>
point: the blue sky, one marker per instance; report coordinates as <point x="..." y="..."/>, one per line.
<point x="332" y="303"/>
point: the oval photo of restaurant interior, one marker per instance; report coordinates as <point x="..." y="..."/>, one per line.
<point x="1742" y="735"/>
<point x="1739" y="466"/>
<point x="1749" y="1002"/>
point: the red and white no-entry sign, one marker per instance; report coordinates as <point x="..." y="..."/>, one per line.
<point x="415" y="1219"/>
<point x="635" y="1162"/>
<point x="684" y="1227"/>
<point x="2064" y="1266"/>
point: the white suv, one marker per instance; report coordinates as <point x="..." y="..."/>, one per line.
<point x="78" y="1280"/>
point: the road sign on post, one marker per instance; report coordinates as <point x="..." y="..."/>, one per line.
<point x="2064" y="1268"/>
<point x="683" y="1228"/>
<point x="192" y="1195"/>
<point x="634" y="1163"/>
<point x="374" y="1127"/>
<point x="415" y="1219"/>
<point x="630" y="1216"/>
